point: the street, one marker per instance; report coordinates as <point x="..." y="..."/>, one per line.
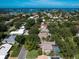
<point x="22" y="54"/>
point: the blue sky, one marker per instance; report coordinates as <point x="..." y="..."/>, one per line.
<point x="39" y="3"/>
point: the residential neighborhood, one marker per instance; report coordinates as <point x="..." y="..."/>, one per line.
<point x="46" y="34"/>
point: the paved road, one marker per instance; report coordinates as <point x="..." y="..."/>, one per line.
<point x="22" y="54"/>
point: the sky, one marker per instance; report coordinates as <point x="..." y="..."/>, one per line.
<point x="39" y="3"/>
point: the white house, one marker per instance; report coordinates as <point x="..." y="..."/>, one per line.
<point x="19" y="31"/>
<point x="4" y="49"/>
<point x="49" y="15"/>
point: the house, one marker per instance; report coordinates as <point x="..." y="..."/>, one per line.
<point x="49" y="15"/>
<point x="4" y="49"/>
<point x="44" y="32"/>
<point x="43" y="57"/>
<point x="34" y="17"/>
<point x="19" y="31"/>
<point x="10" y="39"/>
<point x="47" y="47"/>
<point x="43" y="35"/>
<point x="31" y="17"/>
<point x="48" y="57"/>
<point x="43" y="25"/>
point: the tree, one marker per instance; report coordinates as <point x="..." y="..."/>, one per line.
<point x="32" y="42"/>
<point x="3" y="27"/>
<point x="2" y="19"/>
<point x="53" y="28"/>
<point x="65" y="32"/>
<point x="29" y="23"/>
<point x="76" y="39"/>
<point x="20" y="39"/>
<point x="39" y="21"/>
<point x="18" y="24"/>
<point x="67" y="47"/>
<point x="34" y="30"/>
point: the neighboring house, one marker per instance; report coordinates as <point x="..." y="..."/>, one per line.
<point x="49" y="15"/>
<point x="19" y="31"/>
<point x="4" y="49"/>
<point x="33" y="17"/>
<point x="10" y="39"/>
<point x="44" y="32"/>
<point x="43" y="26"/>
<point x="43" y="35"/>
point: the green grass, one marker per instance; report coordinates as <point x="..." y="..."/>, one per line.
<point x="15" y="51"/>
<point x="32" y="54"/>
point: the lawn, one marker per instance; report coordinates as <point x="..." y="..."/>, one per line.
<point x="32" y="54"/>
<point x="15" y="50"/>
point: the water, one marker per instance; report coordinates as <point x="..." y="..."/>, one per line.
<point x="31" y="10"/>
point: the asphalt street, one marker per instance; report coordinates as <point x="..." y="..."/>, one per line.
<point x="22" y="54"/>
